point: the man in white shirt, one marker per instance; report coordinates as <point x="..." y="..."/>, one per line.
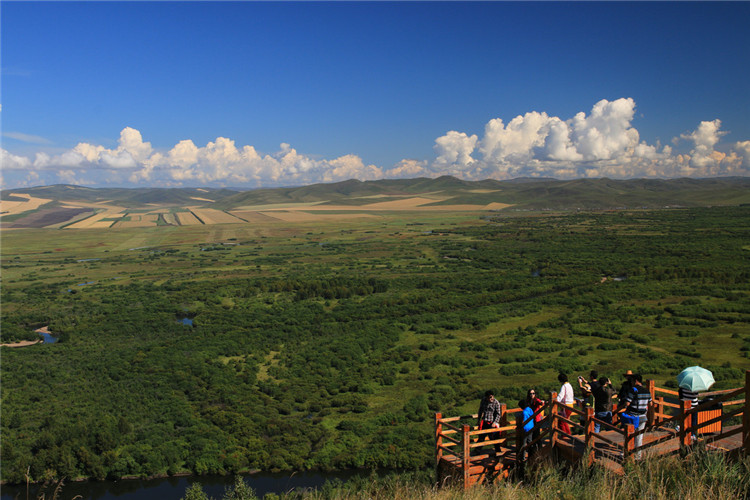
<point x="566" y="397"/>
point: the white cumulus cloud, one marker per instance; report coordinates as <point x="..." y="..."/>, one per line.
<point x="455" y="148"/>
<point x="599" y="143"/>
<point x="602" y="143"/>
<point x="13" y="162"/>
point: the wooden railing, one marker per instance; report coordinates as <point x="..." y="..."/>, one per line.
<point x="457" y="439"/>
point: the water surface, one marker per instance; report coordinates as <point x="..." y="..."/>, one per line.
<point x="174" y="487"/>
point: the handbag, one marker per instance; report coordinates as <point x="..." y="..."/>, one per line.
<point x="629" y="419"/>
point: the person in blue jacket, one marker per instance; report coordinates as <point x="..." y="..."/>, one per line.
<point x="528" y="435"/>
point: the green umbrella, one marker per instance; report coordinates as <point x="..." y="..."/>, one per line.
<point x="695" y="378"/>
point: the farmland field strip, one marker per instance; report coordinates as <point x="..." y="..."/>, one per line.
<point x="213" y="216"/>
<point x="187" y="219"/>
<point x="96" y="220"/>
<point x="14" y="207"/>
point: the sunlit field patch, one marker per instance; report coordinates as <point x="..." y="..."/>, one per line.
<point x="211" y="216"/>
<point x="16" y="207"/>
<point x="187" y="219"/>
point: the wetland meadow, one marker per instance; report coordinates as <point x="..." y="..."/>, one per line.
<point x="327" y="343"/>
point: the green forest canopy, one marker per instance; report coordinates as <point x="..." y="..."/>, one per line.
<point x="331" y="346"/>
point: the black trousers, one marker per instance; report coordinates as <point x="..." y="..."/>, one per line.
<point x="492" y="436"/>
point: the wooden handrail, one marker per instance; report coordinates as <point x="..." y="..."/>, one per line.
<point x="732" y="403"/>
<point x="540" y="437"/>
<point x="534" y="415"/>
<point x="722" y="435"/>
<point x="721" y="399"/>
<point x="491" y="429"/>
<point x="456" y="441"/>
<point x="602" y="423"/>
<point x="455" y="429"/>
<point x="560" y="417"/>
<point x="572" y="409"/>
<point x="558" y="431"/>
<point x="666" y="391"/>
<point x="661" y="415"/>
<point x="720" y="391"/>
<point x="671" y="405"/>
<point x="449" y="450"/>
<point x="480" y="444"/>
<point x="453" y="419"/>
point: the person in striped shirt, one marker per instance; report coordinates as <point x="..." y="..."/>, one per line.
<point x="688" y="395"/>
<point x="634" y="407"/>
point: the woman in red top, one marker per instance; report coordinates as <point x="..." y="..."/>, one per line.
<point x="535" y="403"/>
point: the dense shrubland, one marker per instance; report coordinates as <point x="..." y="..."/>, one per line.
<point x="334" y="349"/>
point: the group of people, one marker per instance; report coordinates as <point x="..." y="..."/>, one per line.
<point x="633" y="403"/>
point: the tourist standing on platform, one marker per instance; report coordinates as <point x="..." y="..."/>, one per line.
<point x="585" y="386"/>
<point x="527" y="419"/>
<point x="603" y="391"/>
<point x="535" y="404"/>
<point x="626" y="385"/>
<point x="635" y="405"/>
<point x="624" y="388"/>
<point x="688" y="395"/>
<point x="565" y="396"/>
<point x="489" y="416"/>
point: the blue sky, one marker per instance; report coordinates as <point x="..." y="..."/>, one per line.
<point x="252" y="94"/>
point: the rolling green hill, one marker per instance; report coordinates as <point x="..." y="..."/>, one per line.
<point x="524" y="194"/>
<point x="132" y="198"/>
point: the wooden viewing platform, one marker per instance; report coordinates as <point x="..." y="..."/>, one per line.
<point x="723" y="426"/>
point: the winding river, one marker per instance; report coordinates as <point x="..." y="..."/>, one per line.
<point x="173" y="488"/>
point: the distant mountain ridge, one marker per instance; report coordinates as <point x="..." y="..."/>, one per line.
<point x="525" y="194"/>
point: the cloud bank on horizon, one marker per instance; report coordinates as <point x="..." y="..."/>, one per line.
<point x="601" y="144"/>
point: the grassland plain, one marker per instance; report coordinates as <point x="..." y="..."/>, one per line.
<point x="328" y="344"/>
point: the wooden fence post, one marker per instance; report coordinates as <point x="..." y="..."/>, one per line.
<point x="650" y="413"/>
<point x="553" y="422"/>
<point x="627" y="451"/>
<point x="467" y="454"/>
<point x="438" y="438"/>
<point x="589" y="432"/>
<point x="519" y="437"/>
<point x="746" y="416"/>
<point x="686" y="425"/>
<point x="503" y="422"/>
<point x="659" y="409"/>
<point x="651" y="384"/>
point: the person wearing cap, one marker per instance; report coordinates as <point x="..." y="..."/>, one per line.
<point x="626" y="385"/>
<point x="489" y="416"/>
